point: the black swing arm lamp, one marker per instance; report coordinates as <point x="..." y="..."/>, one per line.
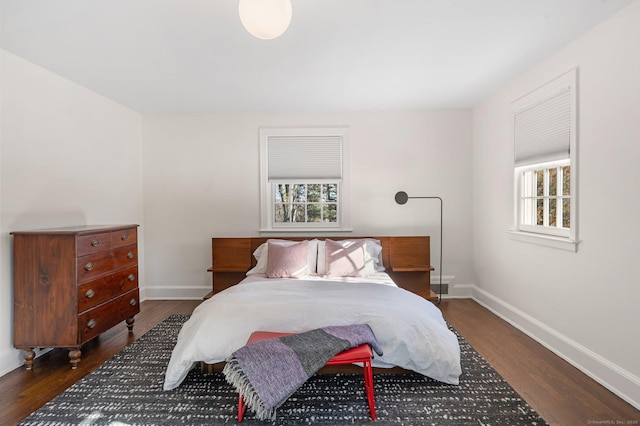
<point x="402" y="198"/>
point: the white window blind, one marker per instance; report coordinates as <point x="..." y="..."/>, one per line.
<point x="542" y="131"/>
<point x="304" y="157"/>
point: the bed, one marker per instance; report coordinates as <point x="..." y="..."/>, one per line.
<point x="299" y="284"/>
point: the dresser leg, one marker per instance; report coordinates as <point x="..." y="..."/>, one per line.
<point x="74" y="357"/>
<point x="130" y="322"/>
<point x="29" y="355"/>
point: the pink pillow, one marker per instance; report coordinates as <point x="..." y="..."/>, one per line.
<point x="287" y="261"/>
<point x="344" y="261"/>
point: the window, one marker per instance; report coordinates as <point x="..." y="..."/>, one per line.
<point x="545" y="198"/>
<point x="544" y="135"/>
<point x="305" y="203"/>
<point x="304" y="179"/>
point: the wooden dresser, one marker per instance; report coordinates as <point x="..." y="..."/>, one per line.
<point x="71" y="284"/>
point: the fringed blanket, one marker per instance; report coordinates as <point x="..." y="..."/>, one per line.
<point x="266" y="373"/>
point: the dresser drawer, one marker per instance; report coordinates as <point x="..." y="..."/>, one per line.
<point x="94" y="243"/>
<point x="103" y="317"/>
<point x="124" y="237"/>
<point x="98" y="291"/>
<point x="97" y="265"/>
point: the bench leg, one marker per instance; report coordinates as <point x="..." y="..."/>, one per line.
<point x="368" y="386"/>
<point x="242" y="407"/>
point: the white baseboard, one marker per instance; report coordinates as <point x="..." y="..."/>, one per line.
<point x="459" y="291"/>
<point x="10" y="359"/>
<point x="174" y="293"/>
<point x="619" y="381"/>
<point x="14" y="358"/>
<point x="195" y="293"/>
<point x="446" y="279"/>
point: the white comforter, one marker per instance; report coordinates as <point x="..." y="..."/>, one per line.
<point x="410" y="329"/>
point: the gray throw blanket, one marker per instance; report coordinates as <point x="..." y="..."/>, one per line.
<point x="268" y="372"/>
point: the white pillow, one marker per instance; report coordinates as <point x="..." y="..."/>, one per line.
<point x="262" y="255"/>
<point x="345" y="260"/>
<point x="372" y="255"/>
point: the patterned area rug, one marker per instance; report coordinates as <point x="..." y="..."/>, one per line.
<point x="127" y="390"/>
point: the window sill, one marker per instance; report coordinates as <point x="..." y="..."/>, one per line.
<point x="305" y="230"/>
<point x="545" y="240"/>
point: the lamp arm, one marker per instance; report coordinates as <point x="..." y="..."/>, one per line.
<point x="401" y="198"/>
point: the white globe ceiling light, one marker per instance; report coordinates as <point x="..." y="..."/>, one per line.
<point x="265" y="19"/>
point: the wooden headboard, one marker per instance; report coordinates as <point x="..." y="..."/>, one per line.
<point x="406" y="260"/>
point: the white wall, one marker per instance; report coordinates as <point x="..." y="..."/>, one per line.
<point x="69" y="157"/>
<point x="583" y="305"/>
<point x="201" y="179"/>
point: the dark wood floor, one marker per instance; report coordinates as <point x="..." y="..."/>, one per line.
<point x="560" y="393"/>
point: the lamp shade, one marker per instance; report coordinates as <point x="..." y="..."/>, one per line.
<point x="265" y="19"/>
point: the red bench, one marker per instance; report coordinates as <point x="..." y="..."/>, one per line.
<point x="360" y="353"/>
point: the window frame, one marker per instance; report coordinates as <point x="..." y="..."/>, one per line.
<point x="545" y="228"/>
<point x="321" y="224"/>
<point x="267" y="187"/>
<point x="563" y="238"/>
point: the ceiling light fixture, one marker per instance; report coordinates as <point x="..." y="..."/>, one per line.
<point x="265" y="19"/>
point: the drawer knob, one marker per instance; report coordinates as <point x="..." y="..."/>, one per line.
<point x="95" y="242"/>
<point x="130" y="255"/>
<point x="92" y="323"/>
<point x="133" y="302"/>
<point x="88" y="266"/>
<point x="90" y="293"/>
<point x="125" y="237"/>
<point x="131" y="277"/>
